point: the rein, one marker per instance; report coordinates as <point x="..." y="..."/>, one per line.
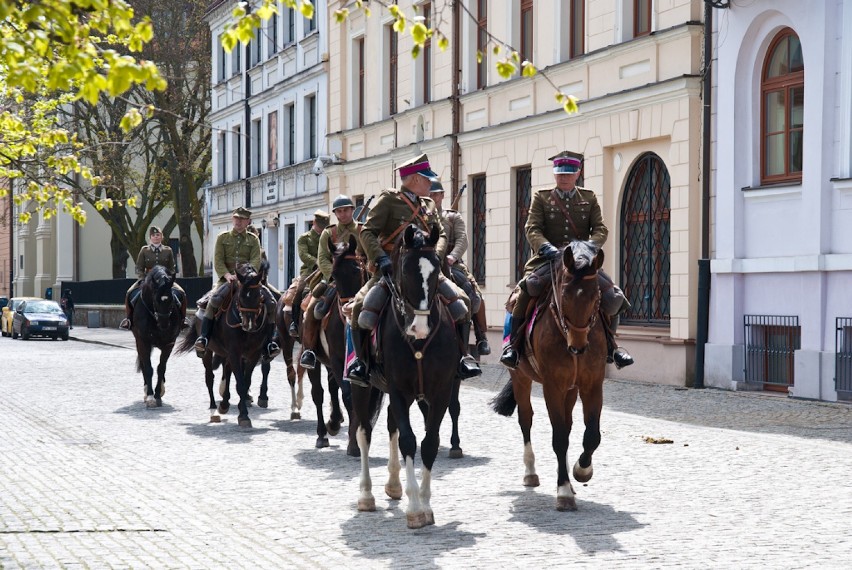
<point x="260" y="311"/>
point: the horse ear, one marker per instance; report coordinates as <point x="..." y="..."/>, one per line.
<point x="568" y="259"/>
<point x="409" y="235"/>
<point x="434" y="234"/>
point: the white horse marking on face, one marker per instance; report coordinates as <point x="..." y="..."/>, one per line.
<point x="419" y="328"/>
<point x="426" y="269"/>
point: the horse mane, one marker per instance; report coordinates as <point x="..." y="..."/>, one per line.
<point x="159" y="277"/>
<point x="584" y="253"/>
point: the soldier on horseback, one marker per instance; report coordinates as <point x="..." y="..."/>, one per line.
<point x="150" y="255"/>
<point x="307" y="244"/>
<point x="393" y="212"/>
<point x="234" y="247"/>
<point x="323" y="295"/>
<point x="556" y="217"/>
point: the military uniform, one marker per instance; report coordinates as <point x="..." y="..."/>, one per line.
<point x="149" y="256"/>
<point x="329" y="239"/>
<point x="308" y="243"/>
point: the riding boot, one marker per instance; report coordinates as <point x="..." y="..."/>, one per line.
<point x="511" y="355"/>
<point x="468" y="367"/>
<point x="272" y="349"/>
<point x="126" y="323"/>
<point x="201" y="342"/>
<point x="310" y="337"/>
<point x="308" y="360"/>
<point x="357" y="373"/>
<point x="616" y="354"/>
<point x="482" y="346"/>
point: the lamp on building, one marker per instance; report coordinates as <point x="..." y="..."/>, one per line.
<point x="263" y="223"/>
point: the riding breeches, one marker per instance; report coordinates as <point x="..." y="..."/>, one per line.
<point x="216" y="299"/>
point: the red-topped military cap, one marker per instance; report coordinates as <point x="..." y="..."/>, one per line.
<point x="566" y="163"/>
<point x="418" y="165"/>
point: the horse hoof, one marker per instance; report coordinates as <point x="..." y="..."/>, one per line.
<point x="263" y="402"/>
<point x="223" y="408"/>
<point x="530" y="480"/>
<point x="150" y="402"/>
<point x="367" y="505"/>
<point x="333" y="428"/>
<point x="159" y="402"/>
<point x="456" y="453"/>
<point x="352" y="450"/>
<point x="566" y="504"/>
<point x="430" y="517"/>
<point x="582" y="475"/>
<point x="245" y="422"/>
<point x="295" y="416"/>
<point x="393" y="491"/>
<point x="321" y="442"/>
<point x="215" y="419"/>
<point x="416" y="520"/>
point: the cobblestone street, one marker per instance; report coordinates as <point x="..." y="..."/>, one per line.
<point x="90" y="478"/>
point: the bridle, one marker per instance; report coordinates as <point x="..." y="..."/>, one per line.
<point x="259" y="311"/>
<point x="160" y="316"/>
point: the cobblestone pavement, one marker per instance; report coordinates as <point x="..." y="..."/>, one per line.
<point x="90" y="478"/>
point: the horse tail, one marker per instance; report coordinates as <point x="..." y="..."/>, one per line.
<point x="188" y="342"/>
<point x="504" y="403"/>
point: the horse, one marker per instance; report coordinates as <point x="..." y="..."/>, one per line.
<point x="242" y="329"/>
<point x="416" y="360"/>
<point x="157" y="320"/>
<point x="566" y="353"/>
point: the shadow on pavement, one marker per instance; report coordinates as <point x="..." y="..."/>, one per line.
<point x="141" y="411"/>
<point x="227" y="430"/>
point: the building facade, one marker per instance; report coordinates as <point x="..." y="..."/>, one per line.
<point x="270" y="102"/>
<point x="635" y="67"/>
<point x="782" y="232"/>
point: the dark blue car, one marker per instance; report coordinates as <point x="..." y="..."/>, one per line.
<point x="39" y="318"/>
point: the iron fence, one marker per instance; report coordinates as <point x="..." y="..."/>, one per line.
<point x="770" y="345"/>
<point x="843" y="358"/>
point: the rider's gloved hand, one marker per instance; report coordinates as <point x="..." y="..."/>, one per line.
<point x="548" y="251"/>
<point x="384" y="265"/>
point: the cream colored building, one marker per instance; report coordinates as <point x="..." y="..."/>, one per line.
<point x="638" y="129"/>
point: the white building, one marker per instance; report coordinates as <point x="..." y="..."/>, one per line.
<point x="269" y="128"/>
<point x="782" y="233"/>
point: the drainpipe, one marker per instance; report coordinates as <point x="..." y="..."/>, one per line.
<point x="704" y="262"/>
<point x="455" y="157"/>
<point x="247" y="130"/>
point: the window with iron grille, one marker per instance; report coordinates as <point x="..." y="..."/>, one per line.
<point x="477" y="232"/>
<point x="783" y="103"/>
<point x="523" y="193"/>
<point x="392" y="68"/>
<point x="843" y="359"/>
<point x="645" y="242"/>
<point x="770" y="345"/>
<point x="482" y="43"/>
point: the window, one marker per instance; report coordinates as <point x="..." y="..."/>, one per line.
<point x="523" y="193"/>
<point x="290" y="129"/>
<point x="310" y="24"/>
<point x="235" y="59"/>
<point x="526" y="30"/>
<point x="359" y="102"/>
<point x="290" y="35"/>
<point x="577" y="27"/>
<point x="645" y="246"/>
<point x="223" y="158"/>
<point x="254" y="52"/>
<point x="477" y="242"/>
<point x="641" y="18"/>
<point x="426" y="57"/>
<point x="272" y="140"/>
<point x="255" y="148"/>
<point x="482" y="43"/>
<point x="311" y="122"/>
<point x="391" y="36"/>
<point x="222" y="61"/>
<point x="771" y="342"/>
<point x="236" y="150"/>
<point x="272" y="34"/>
<point x="783" y="102"/>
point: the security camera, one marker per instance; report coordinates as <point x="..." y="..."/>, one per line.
<point x="317" y="168"/>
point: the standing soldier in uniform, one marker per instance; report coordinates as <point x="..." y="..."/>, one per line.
<point x="557" y="216"/>
<point x="307" y="245"/>
<point x="344" y="210"/>
<point x="149" y="256"/>
<point x="233" y="248"/>
<point x="456" y="231"/>
<point x="393" y="212"/>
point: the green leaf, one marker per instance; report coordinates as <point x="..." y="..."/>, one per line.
<point x="570" y="105"/>
<point x="131" y="120"/>
<point x="443" y="43"/>
<point x="528" y="69"/>
<point x="415" y="51"/>
<point x="419" y="33"/>
<point x="399" y="25"/>
<point x="341" y="15"/>
<point x="307" y="9"/>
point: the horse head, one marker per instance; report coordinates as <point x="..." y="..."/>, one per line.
<point x="578" y="295"/>
<point x="417" y="273"/>
<point x="250" y="305"/>
<point x="347" y="269"/>
<point x="162" y="298"/>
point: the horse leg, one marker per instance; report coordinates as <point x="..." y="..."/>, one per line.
<point x="428" y="453"/>
<point x="559" y="406"/>
<point x="393" y="488"/>
<point x="455" y="410"/>
<point x="363" y="434"/>
<point x="317" y="395"/>
<point x="592" y="403"/>
<point x="414" y="514"/>
<point x="242" y="373"/>
<point x="144" y="352"/>
<point x="522" y="388"/>
<point x="209" y="379"/>
<point x="336" y="419"/>
<point x="225" y="388"/>
<point x="165" y="353"/>
<point x="263" y="398"/>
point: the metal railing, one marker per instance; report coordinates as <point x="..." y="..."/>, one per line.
<point x="770" y="345"/>
<point x="843" y="358"/>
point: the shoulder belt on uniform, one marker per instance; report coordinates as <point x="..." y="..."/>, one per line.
<point x="568" y="219"/>
<point x="414" y="214"/>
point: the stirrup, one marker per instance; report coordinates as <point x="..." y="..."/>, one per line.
<point x="308" y="360"/>
<point x="468" y="367"/>
<point x="357" y="374"/>
<point x="293" y="330"/>
<point x="510" y="358"/>
<point x="272" y="350"/>
<point x="200" y="347"/>
<point x="482" y="347"/>
<point x="125" y="324"/>
<point x="621" y="358"/>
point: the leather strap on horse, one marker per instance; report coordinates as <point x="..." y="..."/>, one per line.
<point x="415" y="213"/>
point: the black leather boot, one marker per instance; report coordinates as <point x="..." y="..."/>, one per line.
<point x="308" y="360"/>
<point x="272" y="348"/>
<point x="511" y="355"/>
<point x="468" y="367"/>
<point x="357" y="373"/>
<point x="201" y="342"/>
<point x="616" y="354"/>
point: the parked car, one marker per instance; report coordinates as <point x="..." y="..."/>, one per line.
<point x="39" y="317"/>
<point x="4" y="300"/>
<point x="9" y="312"/>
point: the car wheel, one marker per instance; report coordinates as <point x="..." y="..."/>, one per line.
<point x="14" y="334"/>
<point x="65" y="336"/>
<point x="25" y="334"/>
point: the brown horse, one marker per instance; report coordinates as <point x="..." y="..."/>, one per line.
<point x="565" y="353"/>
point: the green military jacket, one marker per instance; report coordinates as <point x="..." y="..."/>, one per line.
<point x="547" y="223"/>
<point x="330" y="237"/>
<point x="456" y="231"/>
<point x="308" y="243"/>
<point x="389" y="213"/>
<point x="148" y="258"/>
<point x="234" y="249"/>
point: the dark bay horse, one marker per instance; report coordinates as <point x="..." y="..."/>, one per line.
<point x="566" y="353"/>
<point x="157" y="319"/>
<point x="238" y="336"/>
<point x="416" y="360"/>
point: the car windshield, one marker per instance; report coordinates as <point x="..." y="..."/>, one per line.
<point x="42" y="307"/>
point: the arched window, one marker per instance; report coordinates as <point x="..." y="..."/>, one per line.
<point x="783" y="105"/>
<point x="645" y="244"/>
